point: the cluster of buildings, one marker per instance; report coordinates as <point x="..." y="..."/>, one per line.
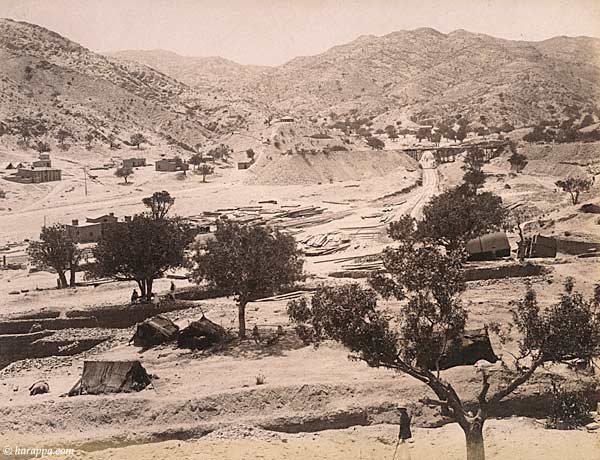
<point x="41" y="170"/>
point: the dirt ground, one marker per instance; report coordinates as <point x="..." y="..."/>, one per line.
<point x="314" y="403"/>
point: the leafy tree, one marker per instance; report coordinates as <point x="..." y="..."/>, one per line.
<point x="474" y="159"/>
<point x="247" y="261"/>
<point x="250" y="154"/>
<point x="221" y="152"/>
<point x="423" y="133"/>
<point x="474" y="178"/>
<point x="517" y="161"/>
<point x="124" y="172"/>
<point x="42" y="146"/>
<point x="206" y="170"/>
<point x="461" y="134"/>
<point x="196" y="159"/>
<point x="137" y="139"/>
<point x="436" y="138"/>
<point x="62" y="135"/>
<point x="56" y="249"/>
<point x="159" y="204"/>
<point x="374" y="143"/>
<point x="141" y="250"/>
<point x="575" y="186"/>
<point x="432" y="316"/>
<point x="460" y="214"/>
<point x="111" y="141"/>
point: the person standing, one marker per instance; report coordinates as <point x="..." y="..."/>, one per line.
<point x="404" y="433"/>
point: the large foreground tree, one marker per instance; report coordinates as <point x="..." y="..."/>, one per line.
<point x="429" y="282"/>
<point x="141" y="250"/>
<point x="58" y="250"/>
<point x="247" y="261"/>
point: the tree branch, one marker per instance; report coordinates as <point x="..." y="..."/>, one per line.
<point x="484" y="389"/>
<point x="517" y="381"/>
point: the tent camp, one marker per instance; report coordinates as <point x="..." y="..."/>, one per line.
<point x="201" y="334"/>
<point x="155" y="331"/>
<point x="488" y="247"/>
<point x="111" y="377"/>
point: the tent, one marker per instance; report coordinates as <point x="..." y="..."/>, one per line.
<point x="466" y="349"/>
<point x="111" y="377"/>
<point x="488" y="247"/>
<point x="201" y="334"/>
<point x="155" y="331"/>
<point x="10" y="166"/>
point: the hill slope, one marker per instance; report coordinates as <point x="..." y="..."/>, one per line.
<point x="48" y="82"/>
<point x="422" y="72"/>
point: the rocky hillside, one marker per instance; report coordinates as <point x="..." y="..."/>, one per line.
<point x="49" y="83"/>
<point x="422" y="73"/>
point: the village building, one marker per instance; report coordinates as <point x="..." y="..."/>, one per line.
<point x="171" y="165"/>
<point x="42" y="164"/>
<point x="37" y="175"/>
<point x="245" y="164"/>
<point x="86" y="232"/>
<point x="92" y="229"/>
<point x="134" y="162"/>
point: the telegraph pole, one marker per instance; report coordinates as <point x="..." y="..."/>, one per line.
<point x="85" y="179"/>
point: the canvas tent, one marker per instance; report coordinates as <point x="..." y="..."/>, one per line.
<point x="488" y="247"/>
<point x="201" y="334"/>
<point x="470" y="347"/>
<point x="155" y="331"/>
<point x="111" y="377"/>
<point x="10" y="166"/>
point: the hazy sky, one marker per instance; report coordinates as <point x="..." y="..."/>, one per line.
<point x="273" y="31"/>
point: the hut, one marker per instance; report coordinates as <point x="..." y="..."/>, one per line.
<point x="100" y="377"/>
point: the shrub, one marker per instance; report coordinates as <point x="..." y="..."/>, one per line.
<point x="261" y="379"/>
<point x="569" y="408"/>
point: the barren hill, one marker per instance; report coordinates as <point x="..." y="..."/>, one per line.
<point x="423" y="72"/>
<point x="48" y="83"/>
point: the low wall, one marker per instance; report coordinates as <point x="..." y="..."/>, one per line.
<point x="44" y="314"/>
<point x="575" y="247"/>
<point x="15" y="347"/>
<point x="23" y="326"/>
<point x="127" y="315"/>
<point x="504" y="271"/>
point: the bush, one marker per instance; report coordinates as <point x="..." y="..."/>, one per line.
<point x="569" y="409"/>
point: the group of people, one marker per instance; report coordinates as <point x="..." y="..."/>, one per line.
<point x="135" y="297"/>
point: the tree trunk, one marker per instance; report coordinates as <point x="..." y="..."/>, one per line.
<point x="149" y="287"/>
<point x="63" y="279"/>
<point x="142" y="286"/>
<point x="474" y="438"/>
<point x="72" y="277"/>
<point x="242" y="319"/>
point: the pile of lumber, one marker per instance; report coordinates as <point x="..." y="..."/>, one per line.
<point x="323" y="244"/>
<point x="286" y="296"/>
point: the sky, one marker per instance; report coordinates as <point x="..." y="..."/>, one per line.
<point x="271" y="32"/>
